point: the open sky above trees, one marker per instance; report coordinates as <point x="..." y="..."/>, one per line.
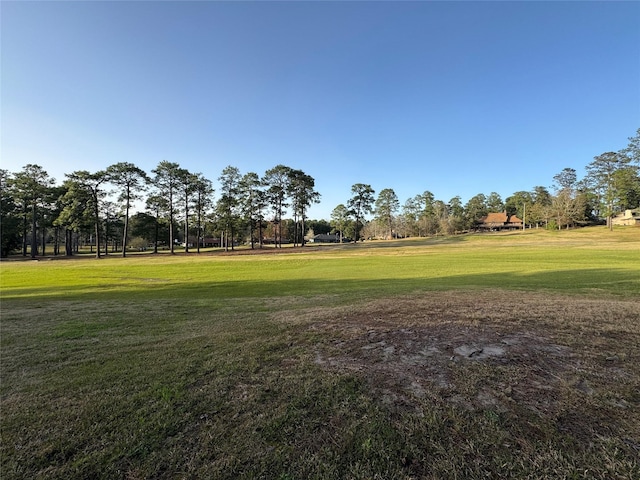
<point x="456" y="98"/>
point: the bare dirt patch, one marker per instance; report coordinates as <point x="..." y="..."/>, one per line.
<point x="572" y="362"/>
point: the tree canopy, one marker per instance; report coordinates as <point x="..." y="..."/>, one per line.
<point x="94" y="208"/>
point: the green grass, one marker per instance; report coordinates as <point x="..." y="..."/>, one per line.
<point x="207" y="366"/>
<point x="570" y="262"/>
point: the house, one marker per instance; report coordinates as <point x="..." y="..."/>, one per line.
<point x="500" y="221"/>
<point x="204" y="242"/>
<point x="629" y="217"/>
<point x="325" y="238"/>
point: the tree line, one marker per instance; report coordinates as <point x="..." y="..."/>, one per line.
<point x="93" y="208"/>
<point x="610" y="186"/>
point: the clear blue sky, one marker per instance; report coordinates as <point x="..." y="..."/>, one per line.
<point x="458" y="98"/>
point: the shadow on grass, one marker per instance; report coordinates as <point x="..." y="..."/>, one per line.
<point x="597" y="281"/>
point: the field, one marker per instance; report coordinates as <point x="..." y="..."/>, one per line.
<point x="513" y="355"/>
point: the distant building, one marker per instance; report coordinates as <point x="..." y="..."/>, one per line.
<point x="325" y="238"/>
<point x="629" y="217"/>
<point x="500" y="221"/>
<point x="204" y="242"/>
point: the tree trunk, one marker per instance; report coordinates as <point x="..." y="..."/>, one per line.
<point x="68" y="242"/>
<point x="610" y="217"/>
<point x="186" y="228"/>
<point x="34" y="233"/>
<point x="56" y="240"/>
<point x="44" y="239"/>
<point x="24" y="229"/>
<point x="155" y="243"/>
<point x="171" y="223"/>
<point x="96" y="217"/>
<point x="106" y="236"/>
<point x="302" y="223"/>
<point x="198" y="236"/>
<point x="126" y="227"/>
<point x="171" y="234"/>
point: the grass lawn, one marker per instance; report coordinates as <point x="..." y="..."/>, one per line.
<point x="512" y="355"/>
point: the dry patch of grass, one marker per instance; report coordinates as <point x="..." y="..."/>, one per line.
<point x="557" y="378"/>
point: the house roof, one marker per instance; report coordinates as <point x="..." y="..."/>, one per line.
<point x="496" y="218"/>
<point x="500" y="218"/>
<point x="323" y="236"/>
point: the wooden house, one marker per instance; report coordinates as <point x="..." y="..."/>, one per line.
<point x="500" y="221"/>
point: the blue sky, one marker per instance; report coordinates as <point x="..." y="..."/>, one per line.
<point x="457" y="98"/>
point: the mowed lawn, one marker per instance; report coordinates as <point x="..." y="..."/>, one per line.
<point x="509" y="355"/>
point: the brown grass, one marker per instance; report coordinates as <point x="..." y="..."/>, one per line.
<point x="543" y="362"/>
